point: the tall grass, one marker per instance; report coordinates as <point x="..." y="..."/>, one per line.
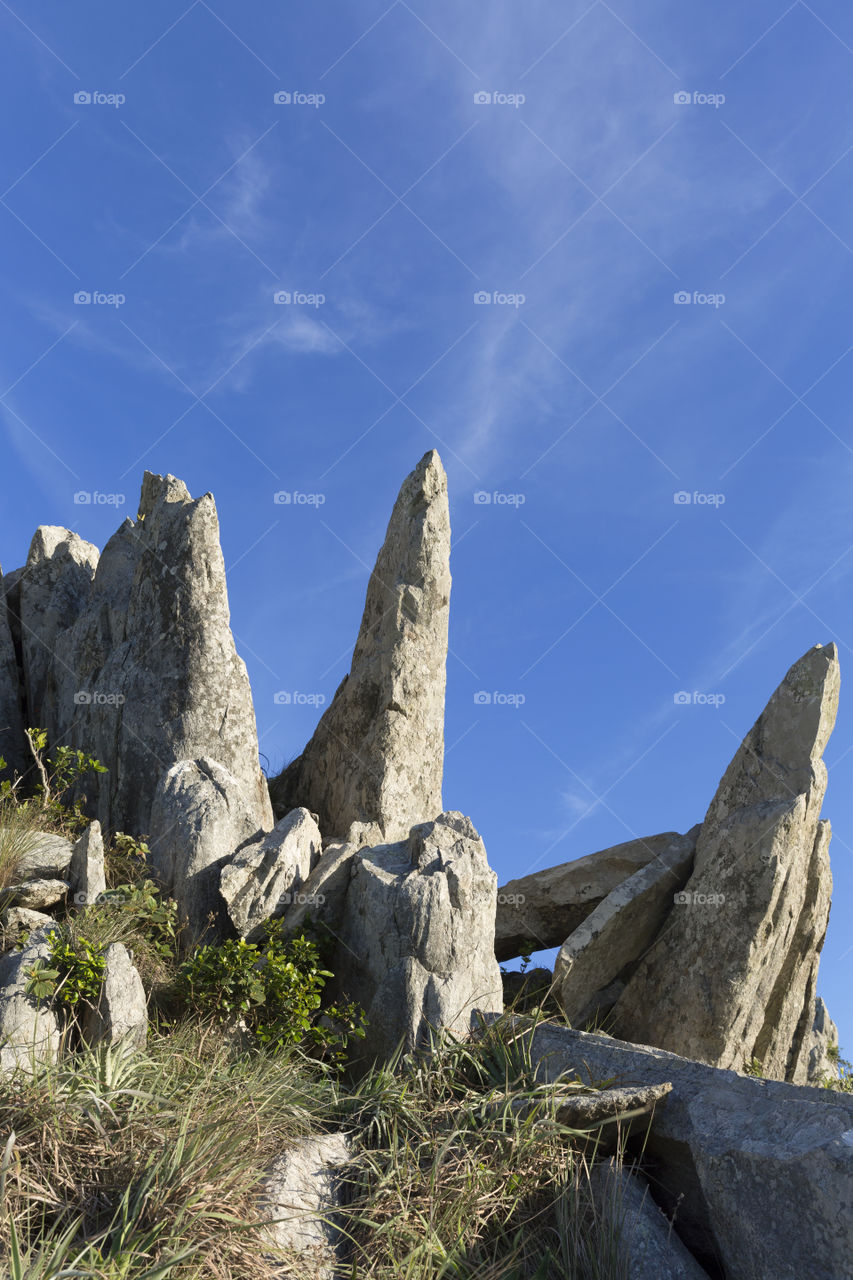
<point x="19" y="833"/>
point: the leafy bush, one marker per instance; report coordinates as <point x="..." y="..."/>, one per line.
<point x="51" y="803"/>
<point x="72" y="975"/>
<point x="273" y="991"/>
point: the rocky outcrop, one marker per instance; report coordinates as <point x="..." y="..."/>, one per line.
<point x="374" y="765"/>
<point x="544" y="907"/>
<point x="29" y="1031"/>
<point x="35" y="895"/>
<point x="645" y="1245"/>
<point x="300" y="1197"/>
<point x="149" y="674"/>
<point x="54" y="590"/>
<point x="416" y="943"/>
<point x="324" y="894"/>
<point x="16" y="923"/>
<point x="44" y="855"/>
<point x="819" y="1056"/>
<point x="732" y="1154"/>
<point x="12" y="744"/>
<point x="199" y="819"/>
<point x="263" y="881"/>
<point x="598" y="958"/>
<point x="121" y="1013"/>
<point x="730" y="974"/>
<point x="86" y="873"/>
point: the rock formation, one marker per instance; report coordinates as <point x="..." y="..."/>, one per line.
<point x="374" y="765"/>
<point x="29" y="1032"/>
<point x="300" y="1196"/>
<point x="263" y="880"/>
<point x="86" y="869"/>
<point x="121" y="1013"/>
<point x="646" y="1246"/>
<point x="12" y="745"/>
<point x="731" y="974"/>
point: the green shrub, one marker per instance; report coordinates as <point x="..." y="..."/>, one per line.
<point x="72" y="975"/>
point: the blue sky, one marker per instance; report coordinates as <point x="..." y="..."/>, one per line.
<point x="581" y="166"/>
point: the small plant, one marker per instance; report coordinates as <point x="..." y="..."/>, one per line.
<point x="272" y="990"/>
<point x="754" y="1068"/>
<point x="73" y="974"/>
<point x="59" y="775"/>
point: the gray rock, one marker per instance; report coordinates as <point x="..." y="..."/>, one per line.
<point x="12" y="744"/>
<point x="29" y="1032"/>
<point x="150" y="675"/>
<point x="45" y="856"/>
<point x="374" y="765"/>
<point x="585" y="1110"/>
<point x="300" y="1200"/>
<point x="822" y="1038"/>
<point x="199" y="818"/>
<point x="121" y="1013"/>
<point x="17" y="922"/>
<point x="647" y="1248"/>
<point x="54" y="590"/>
<point x="323" y="896"/>
<point x="86" y="871"/>
<point x="415" y="947"/>
<point x="546" y="906"/>
<point x="728" y="977"/>
<point x="262" y="881"/>
<point x="760" y="1171"/>
<point x="35" y="895"/>
<point x="601" y="953"/>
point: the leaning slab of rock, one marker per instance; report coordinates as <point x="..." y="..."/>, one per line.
<point x="300" y="1200"/>
<point x="546" y="906"/>
<point x="86" y="870"/>
<point x="12" y="745"/>
<point x="732" y="1154"/>
<point x="374" y="765"/>
<point x="606" y="947"/>
<point x="583" y="1110"/>
<point x="415" y="948"/>
<point x="728" y="978"/>
<point x="35" y="895"/>
<point x="121" y="1013"/>
<point x="263" y="879"/>
<point x="54" y="590"/>
<point x="646" y="1246"/>
<point x="199" y="818"/>
<point x="323" y="896"/>
<point x="29" y="1031"/>
<point x="149" y="673"/>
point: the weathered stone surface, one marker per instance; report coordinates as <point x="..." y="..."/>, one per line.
<point x="260" y="881"/>
<point x="761" y="1171"/>
<point x="546" y="906"/>
<point x="150" y="675"/>
<point x="12" y="745"/>
<point x="28" y="1032"/>
<point x="300" y="1198"/>
<point x="17" y="922"/>
<point x="35" y="895"/>
<point x="200" y="817"/>
<point x="121" y="1012"/>
<point x="606" y="1105"/>
<point x="647" y="1248"/>
<point x="323" y="896"/>
<point x="54" y="590"/>
<point x="416" y="939"/>
<point x="374" y="765"/>
<point x="45" y="856"/>
<point x="86" y="870"/>
<point x="726" y="979"/>
<point x="606" y="947"/>
<point x="821" y="1038"/>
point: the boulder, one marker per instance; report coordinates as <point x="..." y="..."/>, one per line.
<point x="543" y="908"/>
<point x="13" y="747"/>
<point x="732" y="1154"/>
<point x="730" y="974"/>
<point x="35" y="895"/>
<point x="17" y="922"/>
<point x="598" y="957"/>
<point x="121" y="1013"/>
<point x="54" y="590"/>
<point x="86" y="870"/>
<point x="199" y="818"/>
<point x="29" y="1031"/>
<point x="374" y="765"/>
<point x="45" y="856"/>
<point x="300" y="1197"/>
<point x="323" y="896"/>
<point x="262" y="880"/>
<point x="149" y="673"/>
<point x="415" y="947"/>
<point x="645" y="1244"/>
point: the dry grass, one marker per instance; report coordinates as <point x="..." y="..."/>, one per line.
<point x="19" y="831"/>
